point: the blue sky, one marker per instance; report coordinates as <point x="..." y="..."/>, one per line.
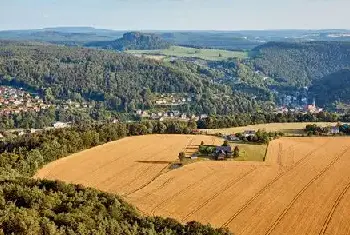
<point x="176" y="14"/>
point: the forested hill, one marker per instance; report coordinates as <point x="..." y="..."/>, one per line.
<point x="119" y="82"/>
<point x="133" y="41"/>
<point x="298" y="64"/>
<point x="334" y="87"/>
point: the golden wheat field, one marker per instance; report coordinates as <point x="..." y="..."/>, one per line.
<point x="303" y="187"/>
<point x="291" y="128"/>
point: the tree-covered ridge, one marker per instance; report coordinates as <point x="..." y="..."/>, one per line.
<point x="332" y="88"/>
<point x="120" y="82"/>
<point x="298" y="64"/>
<point x="30" y="206"/>
<point x="133" y="41"/>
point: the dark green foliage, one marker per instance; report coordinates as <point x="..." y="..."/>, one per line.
<point x="207" y="149"/>
<point x="133" y="41"/>
<point x="298" y="64"/>
<point x="335" y="85"/>
<point x="30" y="206"/>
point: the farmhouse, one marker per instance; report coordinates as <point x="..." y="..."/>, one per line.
<point x="248" y="133"/>
<point x="334" y="130"/>
<point x="222" y="152"/>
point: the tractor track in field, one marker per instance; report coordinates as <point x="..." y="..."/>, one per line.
<point x="108" y="163"/>
<point x="148" y="183"/>
<point x="135" y="164"/>
<point x="267" y="186"/>
<point x="227" y="187"/>
<point x="181" y="191"/>
<point x="298" y="195"/>
<point x="334" y="208"/>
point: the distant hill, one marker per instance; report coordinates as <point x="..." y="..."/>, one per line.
<point x="298" y="64"/>
<point x="62" y="35"/>
<point x="334" y="87"/>
<point x="133" y="41"/>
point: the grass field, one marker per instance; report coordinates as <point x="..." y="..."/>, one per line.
<point x="187" y="52"/>
<point x="294" y="128"/>
<point x="303" y="187"/>
<point x="250" y="152"/>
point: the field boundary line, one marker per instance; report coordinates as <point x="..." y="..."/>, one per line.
<point x="148" y="183"/>
<point x="135" y="164"/>
<point x="181" y="191"/>
<point x="227" y="186"/>
<point x="334" y="208"/>
<point x="267" y="186"/>
<point x="298" y="195"/>
<point x="110" y="162"/>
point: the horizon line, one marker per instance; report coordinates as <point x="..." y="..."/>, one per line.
<point x="182" y="30"/>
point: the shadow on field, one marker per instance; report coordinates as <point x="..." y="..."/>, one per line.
<point x="155" y="162"/>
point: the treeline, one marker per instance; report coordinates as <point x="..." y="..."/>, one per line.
<point x="339" y="129"/>
<point x="118" y="82"/>
<point x="261" y="136"/>
<point x="218" y="122"/>
<point x="30" y="206"/>
<point x="45" y="118"/>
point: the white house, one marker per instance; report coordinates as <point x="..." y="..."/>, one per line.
<point x="335" y="130"/>
<point x="248" y="133"/>
<point x="57" y="125"/>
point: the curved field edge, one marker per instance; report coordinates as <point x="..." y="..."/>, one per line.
<point x="226" y="193"/>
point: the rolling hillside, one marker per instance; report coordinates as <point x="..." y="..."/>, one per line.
<point x="335" y="85"/>
<point x="299" y="64"/>
<point x="118" y="81"/>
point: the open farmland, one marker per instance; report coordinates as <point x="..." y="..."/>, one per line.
<point x="303" y="187"/>
<point x="292" y="128"/>
<point x="188" y="52"/>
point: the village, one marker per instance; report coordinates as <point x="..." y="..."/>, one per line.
<point x="296" y="108"/>
<point x="14" y="101"/>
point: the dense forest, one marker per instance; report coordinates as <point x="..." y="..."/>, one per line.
<point x="218" y="122"/>
<point x="115" y="81"/>
<point x="30" y="206"/>
<point x="332" y="88"/>
<point x="133" y="41"/>
<point x="299" y="64"/>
